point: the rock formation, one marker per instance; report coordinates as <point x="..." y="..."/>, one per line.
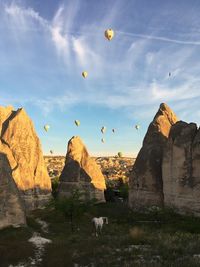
<point x="146" y="183"/>
<point x="22" y="147"/>
<point x="12" y="211"/>
<point x="181" y="168"/>
<point x="167" y="169"/>
<point x="81" y="172"/>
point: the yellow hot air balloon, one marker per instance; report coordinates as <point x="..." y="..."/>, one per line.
<point x="46" y="127"/>
<point x="84" y="74"/>
<point x="137" y="127"/>
<point x="103" y="140"/>
<point x="77" y="122"/>
<point x="103" y="129"/>
<point x="109" y="34"/>
<point x="119" y="154"/>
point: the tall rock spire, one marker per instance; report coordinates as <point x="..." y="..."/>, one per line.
<point x="81" y="172"/>
<point x="146" y="184"/>
<point x="21" y="144"/>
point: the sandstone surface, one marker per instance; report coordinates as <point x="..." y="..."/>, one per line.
<point x="21" y="144"/>
<point x="81" y="172"/>
<point x="12" y="210"/>
<point x="146" y="181"/>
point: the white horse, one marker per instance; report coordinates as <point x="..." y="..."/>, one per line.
<point x="98" y="224"/>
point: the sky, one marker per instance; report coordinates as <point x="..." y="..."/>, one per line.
<point x="45" y="45"/>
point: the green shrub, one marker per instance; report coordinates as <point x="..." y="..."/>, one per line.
<point x="54" y="185"/>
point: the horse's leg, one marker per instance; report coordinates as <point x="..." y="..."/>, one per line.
<point x="100" y="228"/>
<point x="96" y="230"/>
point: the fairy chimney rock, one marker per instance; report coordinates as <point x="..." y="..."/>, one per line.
<point x="81" y="172"/>
<point x="146" y="184"/>
<point x="21" y="144"/>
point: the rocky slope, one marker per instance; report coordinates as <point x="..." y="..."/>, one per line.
<point x="22" y="147"/>
<point x="113" y="168"/>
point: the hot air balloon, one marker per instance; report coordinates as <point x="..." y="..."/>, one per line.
<point x="46" y="127"/>
<point x="84" y="74"/>
<point x="119" y="154"/>
<point x="103" y="140"/>
<point x="170" y="74"/>
<point x="103" y="129"/>
<point x="51" y="151"/>
<point x="77" y="122"/>
<point x="113" y="130"/>
<point x="137" y="126"/>
<point x="109" y="34"/>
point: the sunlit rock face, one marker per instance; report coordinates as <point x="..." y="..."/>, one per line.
<point x="146" y="182"/>
<point x="181" y="168"/>
<point x="81" y="172"/>
<point x="12" y="210"/>
<point x="22" y="147"/>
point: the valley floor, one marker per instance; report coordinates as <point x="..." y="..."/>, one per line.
<point x="152" y="238"/>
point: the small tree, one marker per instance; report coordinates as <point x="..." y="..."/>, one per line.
<point x="54" y="185"/>
<point x="72" y="207"/>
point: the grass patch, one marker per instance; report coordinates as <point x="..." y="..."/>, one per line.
<point x="148" y="238"/>
<point x="14" y="247"/>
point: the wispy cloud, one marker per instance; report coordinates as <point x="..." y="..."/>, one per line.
<point x="160" y="38"/>
<point x="133" y="72"/>
<point x="21" y="15"/>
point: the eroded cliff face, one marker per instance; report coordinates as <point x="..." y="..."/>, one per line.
<point x="81" y="172"/>
<point x="12" y="210"/>
<point x="146" y="183"/>
<point x="181" y="168"/>
<point x="22" y="147"/>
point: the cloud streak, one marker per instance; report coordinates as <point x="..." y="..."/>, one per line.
<point x="159" y="38"/>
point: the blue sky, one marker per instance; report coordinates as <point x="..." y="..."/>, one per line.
<point x="45" y="45"/>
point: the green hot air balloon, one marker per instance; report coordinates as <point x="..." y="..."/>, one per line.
<point x="46" y="127"/>
<point x="137" y="127"/>
<point x="120" y="154"/>
<point x="77" y="122"/>
<point x="103" y="140"/>
<point x="51" y="151"/>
